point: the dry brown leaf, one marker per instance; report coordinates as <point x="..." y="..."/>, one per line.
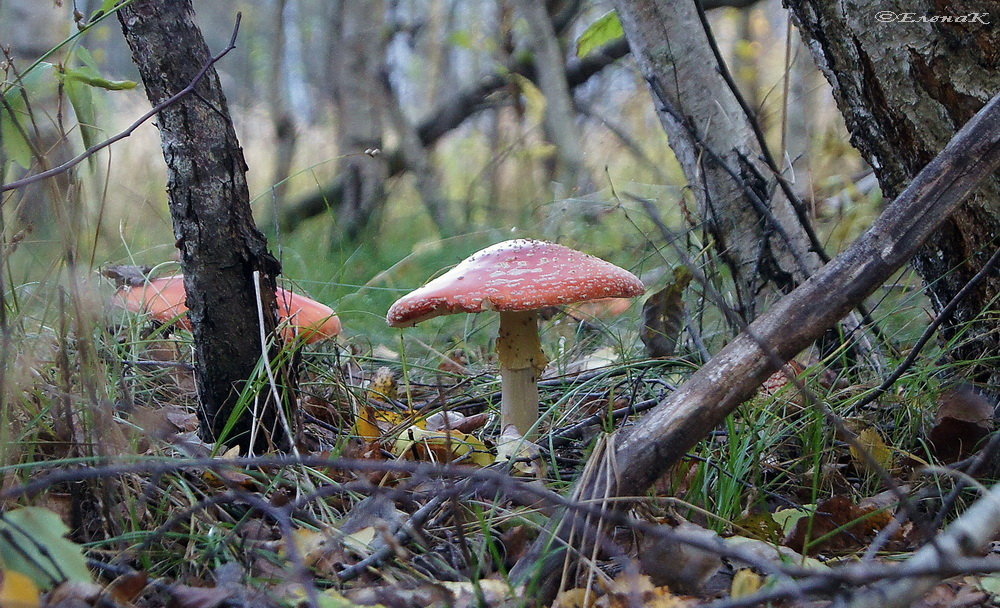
<point x="963" y="420"/>
<point x="127" y="587"/>
<point x="779" y="380"/>
<point x="679" y="565"/>
<point x="839" y="526"/>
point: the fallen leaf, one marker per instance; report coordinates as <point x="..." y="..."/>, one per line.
<point x="32" y="542"/>
<point x="18" y="590"/>
<point x="963" y="420"/>
<point x="416" y="443"/>
<point x="745" y="582"/>
<point x="663" y="315"/>
<point x="526" y="456"/>
<point x="779" y="380"/>
<point x="629" y="589"/>
<point x="871" y="442"/>
<point x="575" y="598"/>
<point x="198" y="597"/>
<point x="383" y="386"/>
<point x="838" y="526"/>
<point x="127" y="587"/>
<point x="682" y="567"/>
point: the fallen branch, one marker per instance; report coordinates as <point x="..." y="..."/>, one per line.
<point x="794" y="322"/>
<point x="965" y="537"/>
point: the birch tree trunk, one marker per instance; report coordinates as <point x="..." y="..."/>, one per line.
<point x="754" y="226"/>
<point x="210" y="205"/>
<point x="906" y="79"/>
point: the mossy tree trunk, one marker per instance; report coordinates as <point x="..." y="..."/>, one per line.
<point x="220" y="247"/>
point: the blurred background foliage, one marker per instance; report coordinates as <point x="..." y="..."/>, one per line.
<point x="495" y="174"/>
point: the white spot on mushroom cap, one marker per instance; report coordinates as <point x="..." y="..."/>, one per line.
<point x="521" y="274"/>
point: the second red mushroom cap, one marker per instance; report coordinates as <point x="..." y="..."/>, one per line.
<point x="521" y="274"/>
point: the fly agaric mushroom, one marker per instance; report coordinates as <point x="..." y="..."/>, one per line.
<point x="163" y="299"/>
<point x="516" y="278"/>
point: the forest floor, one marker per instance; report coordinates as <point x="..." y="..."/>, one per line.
<point x="404" y="491"/>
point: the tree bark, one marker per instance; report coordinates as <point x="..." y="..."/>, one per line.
<point x="905" y="86"/>
<point x="210" y="205"/>
<point x="755" y="228"/>
<point x="728" y="379"/>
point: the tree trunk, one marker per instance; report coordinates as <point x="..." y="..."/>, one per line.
<point x="359" y="99"/>
<point x="209" y="203"/>
<point x="754" y="226"/>
<point x="905" y="86"/>
<point x="279" y="103"/>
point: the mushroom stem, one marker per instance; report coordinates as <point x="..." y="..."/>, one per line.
<point x="521" y="364"/>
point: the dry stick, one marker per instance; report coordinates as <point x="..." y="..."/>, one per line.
<point x="66" y="166"/>
<point x="965" y="536"/>
<point x="492" y="481"/>
<point x="795" y="321"/>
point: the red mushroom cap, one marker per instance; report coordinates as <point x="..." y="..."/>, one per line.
<point x="515" y="275"/>
<point x="164" y="299"/>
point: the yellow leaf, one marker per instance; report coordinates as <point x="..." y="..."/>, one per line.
<point x="745" y="582"/>
<point x="383" y="386"/>
<point x="360" y="541"/>
<point x="372" y="423"/>
<point x="311" y="544"/>
<point x="575" y="598"/>
<point x="18" y="591"/>
<point x="872" y="442"/>
<point x="534" y="99"/>
<point x="442" y="446"/>
<point x="365" y="425"/>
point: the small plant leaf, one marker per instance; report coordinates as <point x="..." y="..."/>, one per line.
<point x="606" y="29"/>
<point x="32" y="543"/>
<point x="15" y="121"/>
<point x="89" y="76"/>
